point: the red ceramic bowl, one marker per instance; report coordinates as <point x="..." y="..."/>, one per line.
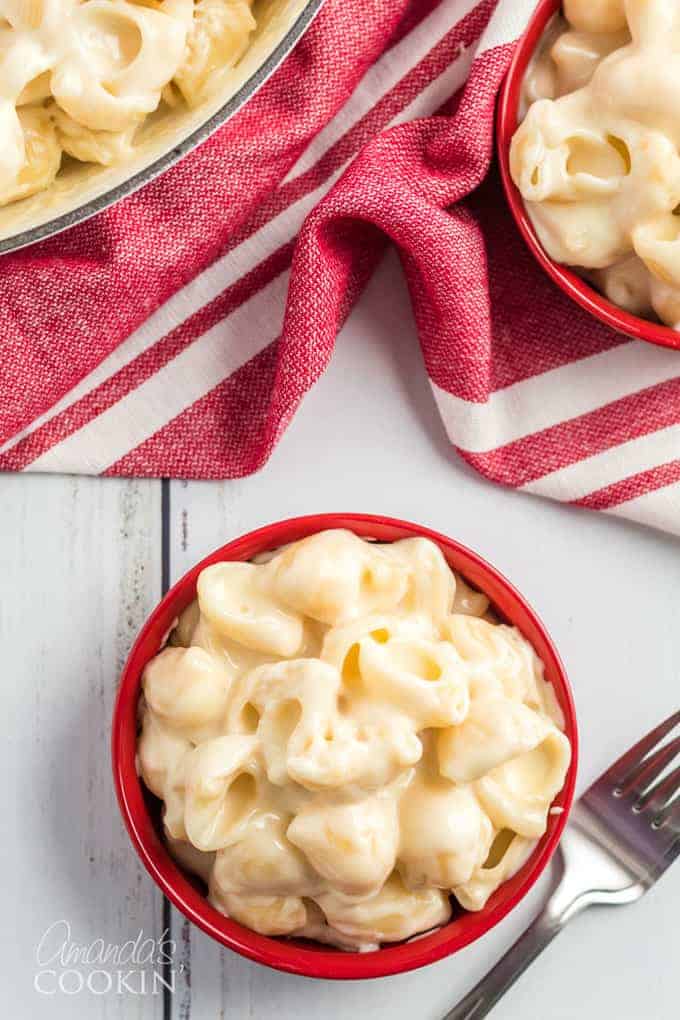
<point x="568" y="281"/>
<point x="141" y="811"/>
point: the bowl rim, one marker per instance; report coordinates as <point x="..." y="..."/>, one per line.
<point x="568" y="281"/>
<point x="175" y="151"/>
<point x="290" y="955"/>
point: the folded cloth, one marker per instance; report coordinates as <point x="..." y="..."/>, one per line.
<point x="175" y="333"/>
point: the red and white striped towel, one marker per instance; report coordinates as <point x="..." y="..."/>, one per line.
<point x="152" y="340"/>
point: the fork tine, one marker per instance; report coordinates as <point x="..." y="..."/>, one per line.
<point x="649" y="769"/>
<point x="673" y="815"/>
<point x="620" y="769"/>
<point x="659" y="796"/>
<point x="670" y="818"/>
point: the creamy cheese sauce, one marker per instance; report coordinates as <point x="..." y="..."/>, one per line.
<point x="83" y="76"/>
<point x="596" y="156"/>
<point x="344" y="738"/>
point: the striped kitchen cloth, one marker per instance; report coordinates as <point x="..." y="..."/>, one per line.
<point x="176" y="333"/>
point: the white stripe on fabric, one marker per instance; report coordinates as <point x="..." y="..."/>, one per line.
<point x="507" y="24"/>
<point x="555" y="396"/>
<point x="197" y="370"/>
<point x="382" y="77"/>
<point x="438" y="91"/>
<point x="657" y="509"/>
<point x="609" y="467"/>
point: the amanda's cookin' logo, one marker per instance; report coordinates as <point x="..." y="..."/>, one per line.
<point x="139" y="966"/>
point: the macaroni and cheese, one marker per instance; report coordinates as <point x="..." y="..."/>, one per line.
<point x="596" y="157"/>
<point x="79" y="78"/>
<point x="344" y="737"/>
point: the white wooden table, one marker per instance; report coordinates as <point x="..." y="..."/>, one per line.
<point x="81" y="566"/>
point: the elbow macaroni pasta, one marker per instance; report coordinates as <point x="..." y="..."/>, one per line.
<point x="80" y="77"/>
<point x="343" y="739"/>
<point x="596" y="157"/>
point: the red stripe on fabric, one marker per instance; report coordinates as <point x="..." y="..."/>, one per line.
<point x="541" y="453"/>
<point x="413" y="16"/>
<point x="630" y="488"/>
<point x="68" y="302"/>
<point x="147" y="364"/>
<point x="504" y="320"/>
<point x="464" y="34"/>
<point x="230" y="421"/>
<point x="357" y="251"/>
<point x="233" y="429"/>
<point x="122" y="382"/>
<point x="421" y="167"/>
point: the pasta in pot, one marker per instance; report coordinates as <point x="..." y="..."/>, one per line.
<point x="88" y="146"/>
<point x="38" y="143"/>
<point x="596" y="156"/>
<point x="81" y="77"/>
<point x="218" y="38"/>
<point x="344" y="740"/>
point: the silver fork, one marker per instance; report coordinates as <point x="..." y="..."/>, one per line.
<point x="622" y="835"/>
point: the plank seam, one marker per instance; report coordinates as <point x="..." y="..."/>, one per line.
<point x="165" y="584"/>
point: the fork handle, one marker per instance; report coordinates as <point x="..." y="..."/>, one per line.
<point x="484" y="996"/>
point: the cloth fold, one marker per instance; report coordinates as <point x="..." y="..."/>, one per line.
<point x="176" y="333"/>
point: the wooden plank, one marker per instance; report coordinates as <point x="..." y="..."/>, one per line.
<point x="80" y="569"/>
<point x="368" y="438"/>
